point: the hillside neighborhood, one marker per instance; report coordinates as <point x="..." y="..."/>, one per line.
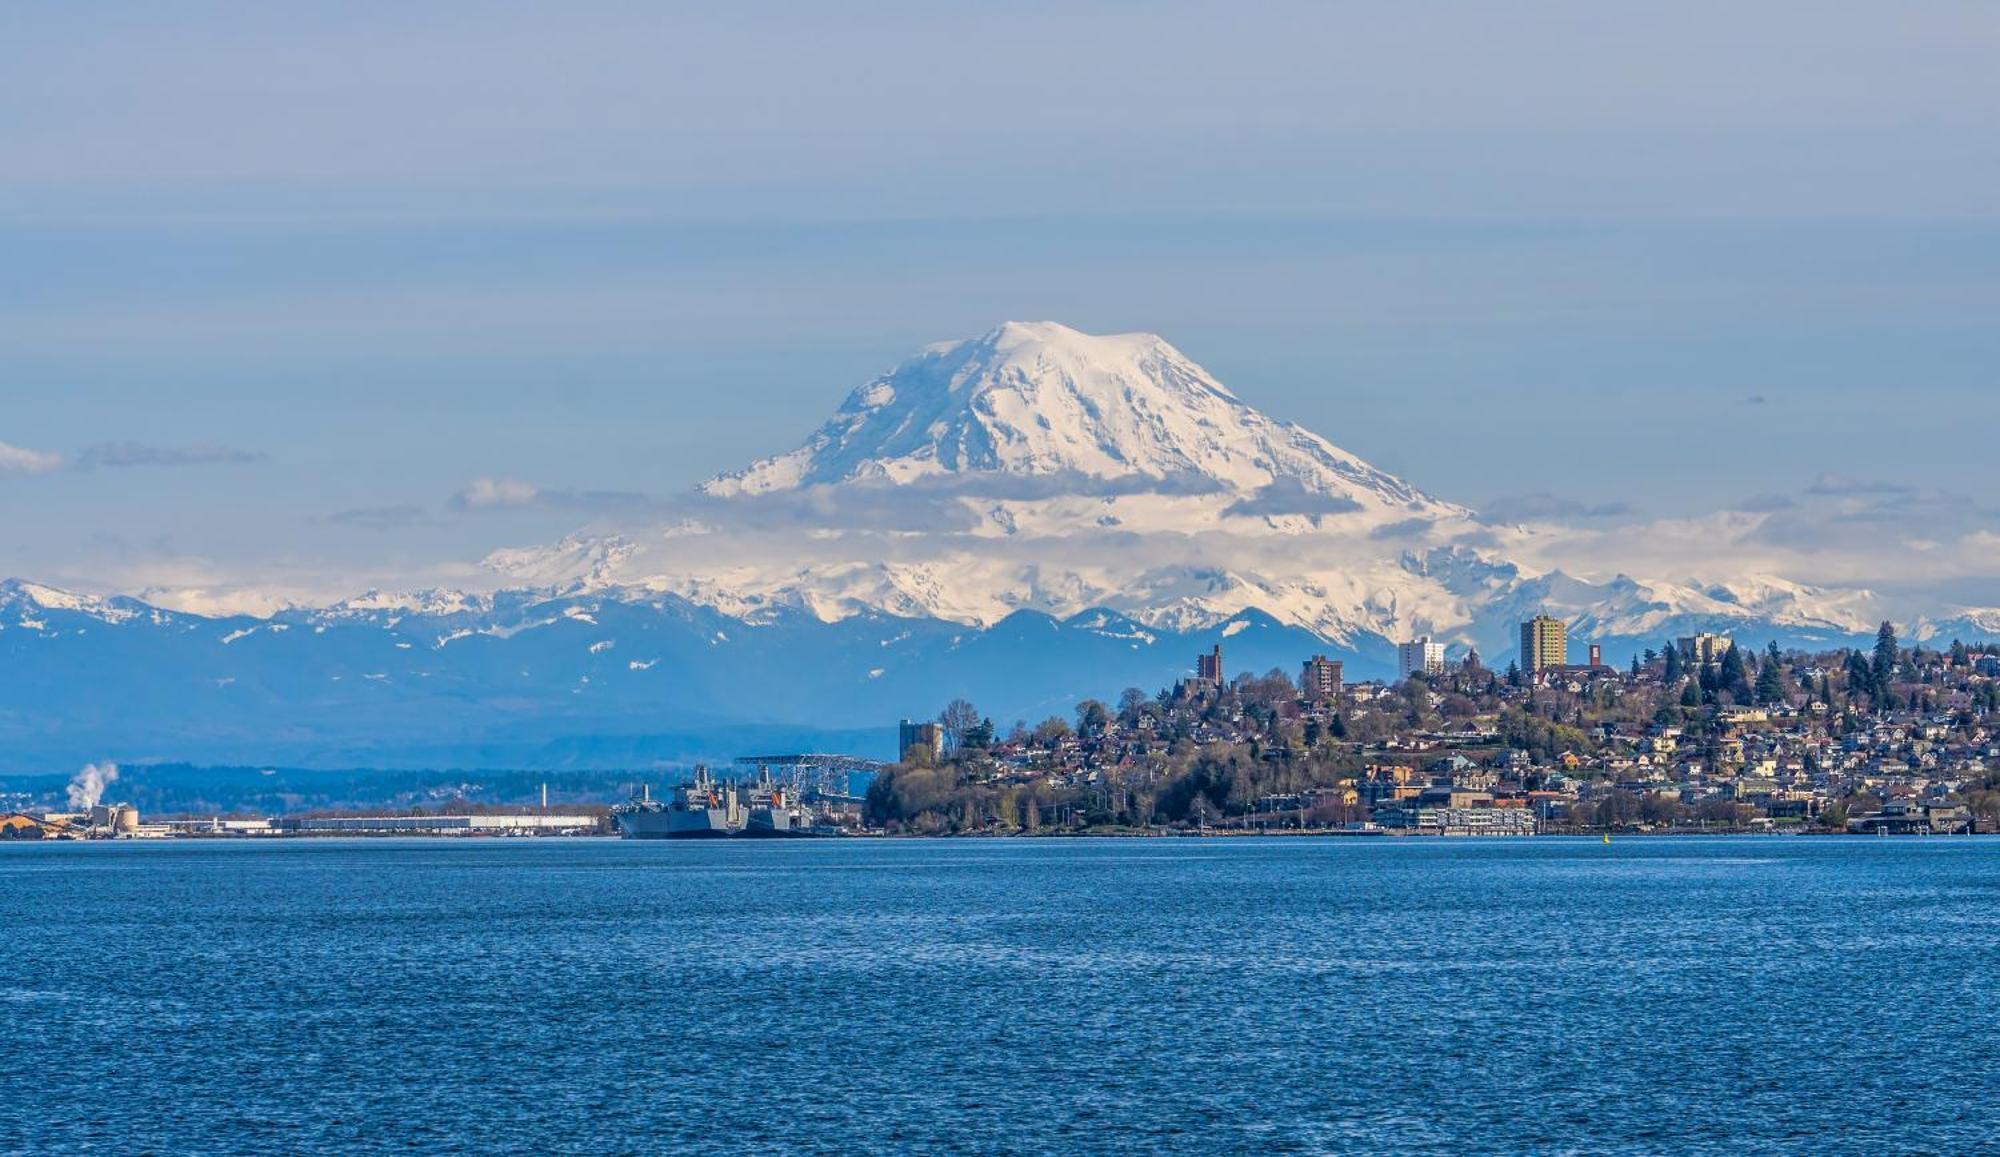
<point x="1700" y="734"/>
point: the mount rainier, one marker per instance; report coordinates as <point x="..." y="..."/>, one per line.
<point x="1025" y="518"/>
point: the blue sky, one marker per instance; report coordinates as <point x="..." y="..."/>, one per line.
<point x="315" y="269"/>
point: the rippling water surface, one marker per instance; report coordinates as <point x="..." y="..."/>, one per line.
<point x="1721" y="995"/>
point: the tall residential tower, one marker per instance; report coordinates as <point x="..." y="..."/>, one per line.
<point x="1544" y="644"/>
<point x="1321" y="678"/>
<point x="1421" y="657"/>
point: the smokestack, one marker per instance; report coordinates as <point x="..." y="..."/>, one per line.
<point x="545" y="797"/>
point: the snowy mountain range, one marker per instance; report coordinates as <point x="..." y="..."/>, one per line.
<point x="1040" y="468"/>
<point x="1027" y="517"/>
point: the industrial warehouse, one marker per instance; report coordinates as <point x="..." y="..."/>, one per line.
<point x="121" y="821"/>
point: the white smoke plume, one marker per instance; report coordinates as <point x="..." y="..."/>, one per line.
<point x="86" y="787"/>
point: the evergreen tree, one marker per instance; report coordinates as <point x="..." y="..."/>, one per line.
<point x="1860" y="679"/>
<point x="1770" y="683"/>
<point x="1731" y="676"/>
<point x="1673" y="664"/>
<point x="1886" y="654"/>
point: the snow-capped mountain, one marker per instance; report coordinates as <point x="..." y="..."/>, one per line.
<point x="1039" y="468"/>
<point x="1041" y="400"/>
<point x="523" y="678"/>
<point x="1027" y="517"/>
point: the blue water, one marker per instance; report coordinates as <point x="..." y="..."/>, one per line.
<point x="1720" y="995"/>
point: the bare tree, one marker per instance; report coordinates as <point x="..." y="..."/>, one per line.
<point x="958" y="717"/>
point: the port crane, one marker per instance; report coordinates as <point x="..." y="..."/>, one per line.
<point x="811" y="776"/>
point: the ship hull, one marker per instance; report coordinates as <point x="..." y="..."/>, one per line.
<point x="674" y="825"/>
<point x="753" y="832"/>
<point x="767" y="823"/>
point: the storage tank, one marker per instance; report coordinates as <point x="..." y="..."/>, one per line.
<point x="125" y="820"/>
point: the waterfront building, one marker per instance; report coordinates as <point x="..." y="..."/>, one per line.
<point x="912" y="738"/>
<point x="1418" y="819"/>
<point x="462" y="825"/>
<point x="1544" y="644"/>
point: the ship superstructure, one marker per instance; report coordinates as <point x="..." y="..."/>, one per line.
<point x="802" y="797"/>
<point x="775" y="809"/>
<point x="702" y="808"/>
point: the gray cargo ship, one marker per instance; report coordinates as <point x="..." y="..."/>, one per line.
<point x="704" y="808"/>
<point x="698" y="809"/>
<point x="774" y="813"/>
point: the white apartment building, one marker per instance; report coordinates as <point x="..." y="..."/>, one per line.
<point x="1422" y="657"/>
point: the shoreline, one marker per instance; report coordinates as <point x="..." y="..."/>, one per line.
<point x="1212" y="834"/>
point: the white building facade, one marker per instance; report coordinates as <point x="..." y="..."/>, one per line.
<point x="1421" y="657"/>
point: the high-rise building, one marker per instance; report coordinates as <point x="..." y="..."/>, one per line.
<point x="1421" y="657"/>
<point x="1321" y="678"/>
<point x="1544" y="644"/>
<point x="1209" y="666"/>
<point x="1703" y="648"/>
<point x="914" y="737"/>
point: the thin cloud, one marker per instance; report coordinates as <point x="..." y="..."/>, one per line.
<point x="380" y="517"/>
<point x="117" y="455"/>
<point x="1541" y="506"/>
<point x="1290" y="496"/>
<point x="1404" y="529"/>
<point x="1766" y="503"/>
<point x="936" y="505"/>
<point x="17" y="461"/>
<point x="1837" y="485"/>
<point x="496" y="494"/>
